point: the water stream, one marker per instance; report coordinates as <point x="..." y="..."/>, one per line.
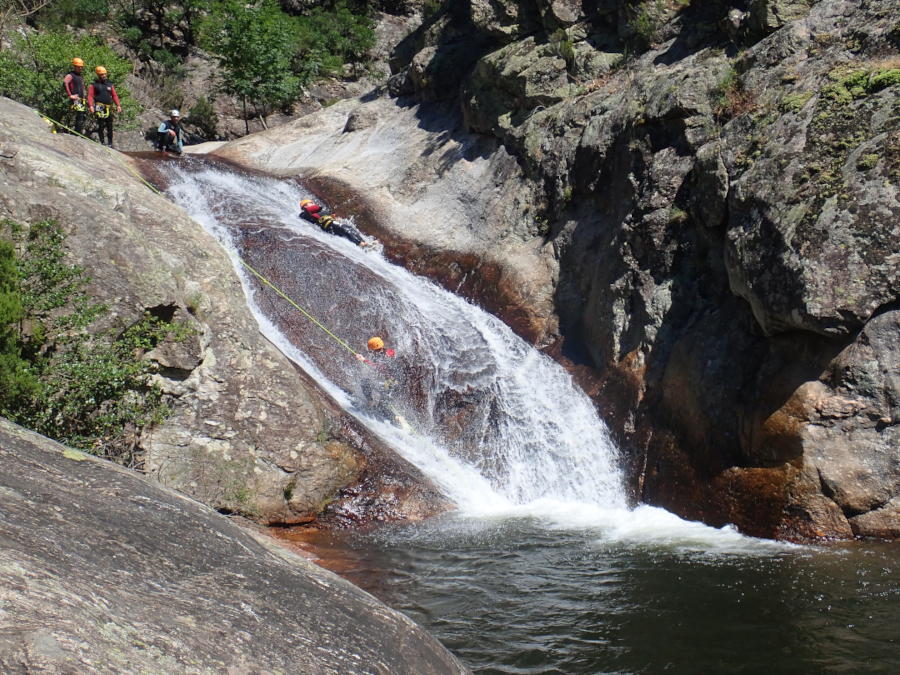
<point x="544" y="568"/>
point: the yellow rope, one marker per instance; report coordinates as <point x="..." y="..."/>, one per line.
<point x="243" y="262"/>
<point x="296" y="306"/>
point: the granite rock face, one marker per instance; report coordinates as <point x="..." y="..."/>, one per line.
<point x="246" y="432"/>
<point x="104" y="571"/>
<point x="701" y="196"/>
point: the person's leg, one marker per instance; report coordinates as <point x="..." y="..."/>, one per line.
<point x="79" y="121"/>
<point x="109" y="128"/>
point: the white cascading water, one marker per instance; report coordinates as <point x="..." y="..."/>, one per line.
<point x="529" y="443"/>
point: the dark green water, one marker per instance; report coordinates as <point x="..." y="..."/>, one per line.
<point x="513" y="597"/>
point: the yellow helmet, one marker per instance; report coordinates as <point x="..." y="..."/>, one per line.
<point x="375" y="344"/>
<point x="77" y="62"/>
<point x="100" y="70"/>
<point x="304" y="202"/>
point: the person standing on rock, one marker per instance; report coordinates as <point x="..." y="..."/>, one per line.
<point x="169" y="135"/>
<point x="312" y="213"/>
<point x="73" y="83"/>
<point x="101" y="98"/>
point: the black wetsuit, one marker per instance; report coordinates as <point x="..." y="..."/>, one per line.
<point x="104" y="92"/>
<point x="164" y="140"/>
<point x="74" y="85"/>
<point x="332" y="226"/>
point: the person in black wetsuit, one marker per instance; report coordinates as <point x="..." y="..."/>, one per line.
<point x="102" y="97"/>
<point x="312" y="213"/>
<point x="74" y="86"/>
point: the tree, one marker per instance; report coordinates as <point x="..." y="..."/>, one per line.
<point x="18" y="10"/>
<point x="330" y="36"/>
<point x="254" y="43"/>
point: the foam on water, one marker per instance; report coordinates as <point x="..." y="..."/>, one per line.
<point x="542" y="453"/>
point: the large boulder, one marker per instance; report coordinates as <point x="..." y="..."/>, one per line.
<point x="102" y="570"/>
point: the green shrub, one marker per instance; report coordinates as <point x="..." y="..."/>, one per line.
<point x="254" y="43"/>
<point x="32" y="71"/>
<point x="84" y="388"/>
<point x="327" y="38"/>
<point x="562" y="46"/>
<point x="795" y="102"/>
<point x="856" y="84"/>
<point x="730" y="96"/>
<point x="203" y="116"/>
<point x="646" y="20"/>
<point x="17" y="382"/>
<point x="77" y="13"/>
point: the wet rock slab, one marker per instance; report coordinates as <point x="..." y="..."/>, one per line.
<point x="103" y="571"/>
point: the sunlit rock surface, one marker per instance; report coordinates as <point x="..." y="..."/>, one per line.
<point x="102" y="570"/>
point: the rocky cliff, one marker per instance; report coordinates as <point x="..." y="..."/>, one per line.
<point x="103" y="571"/>
<point x="698" y="198"/>
<point x="247" y="433"/>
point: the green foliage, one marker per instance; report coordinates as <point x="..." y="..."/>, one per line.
<point x="795" y="102"/>
<point x="327" y="38"/>
<point x="868" y="161"/>
<point x="203" y="116"/>
<point x="86" y="389"/>
<point x="730" y="96"/>
<point x="32" y="71"/>
<point x="562" y="46"/>
<point x="17" y="382"/>
<point x="254" y="44"/>
<point x="160" y="29"/>
<point x="77" y="13"/>
<point x="855" y="84"/>
<point x="646" y="21"/>
<point x="430" y="8"/>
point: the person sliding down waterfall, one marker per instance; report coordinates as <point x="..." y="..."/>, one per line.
<point x="312" y="213"/>
<point x="381" y="380"/>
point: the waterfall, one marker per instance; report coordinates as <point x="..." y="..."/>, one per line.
<point x="494" y="422"/>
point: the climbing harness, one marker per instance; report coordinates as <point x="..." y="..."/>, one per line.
<point x="79" y="105"/>
<point x="102" y="110"/>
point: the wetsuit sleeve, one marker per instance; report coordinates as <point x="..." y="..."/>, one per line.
<point x="67" y="83"/>
<point x="162" y="128"/>
<point x="115" y="96"/>
<point x="91" y="97"/>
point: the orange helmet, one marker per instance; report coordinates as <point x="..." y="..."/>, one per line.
<point x="77" y="62"/>
<point x="304" y="202"/>
<point x="100" y="70"/>
<point x="375" y="344"/>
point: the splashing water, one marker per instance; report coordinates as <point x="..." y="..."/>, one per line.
<point x="497" y="425"/>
